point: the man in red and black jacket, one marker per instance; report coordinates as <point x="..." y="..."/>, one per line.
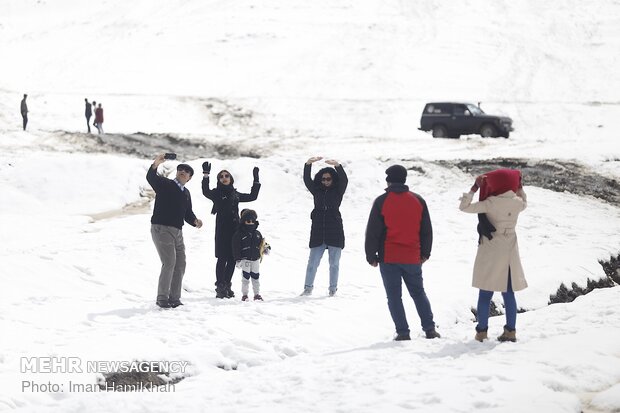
<point x="399" y="238"/>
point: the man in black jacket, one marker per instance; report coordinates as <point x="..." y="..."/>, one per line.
<point x="88" y="112"/>
<point x="24" y="111"/>
<point x="173" y="205"/>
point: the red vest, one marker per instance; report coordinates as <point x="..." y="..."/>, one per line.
<point x="402" y="214"/>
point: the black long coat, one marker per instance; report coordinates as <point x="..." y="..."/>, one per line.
<point x="226" y="209"/>
<point x="326" y="219"/>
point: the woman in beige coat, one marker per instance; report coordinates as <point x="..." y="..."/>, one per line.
<point x="497" y="266"/>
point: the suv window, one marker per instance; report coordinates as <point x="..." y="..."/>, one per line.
<point x="436" y="109"/>
<point x="475" y="110"/>
<point x="459" y="110"/>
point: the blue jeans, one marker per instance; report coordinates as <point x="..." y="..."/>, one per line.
<point x="412" y="275"/>
<point x="314" y="260"/>
<point x="484" y="306"/>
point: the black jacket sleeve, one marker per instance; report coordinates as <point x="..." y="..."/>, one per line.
<point x="308" y="179"/>
<point x="155" y="180"/>
<point x="206" y="191"/>
<point x="426" y="231"/>
<point x="252" y="195"/>
<point x="343" y="180"/>
<point x="375" y="232"/>
<point x="190" y="218"/>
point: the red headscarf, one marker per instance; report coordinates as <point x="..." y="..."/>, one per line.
<point x="499" y="181"/>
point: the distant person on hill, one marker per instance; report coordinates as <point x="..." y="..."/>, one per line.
<point x="399" y="238"/>
<point x="173" y="205"/>
<point x="24" y="111"/>
<point x="327" y="232"/>
<point x="249" y="246"/>
<point x="226" y="209"/>
<point x="88" y="113"/>
<point x="498" y="265"/>
<point x="94" y="109"/>
<point x="99" y="119"/>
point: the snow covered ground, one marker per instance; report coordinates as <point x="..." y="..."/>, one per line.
<point x="345" y="80"/>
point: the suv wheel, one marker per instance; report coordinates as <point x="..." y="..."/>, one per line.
<point x="488" y="131"/>
<point x="440" y="131"/>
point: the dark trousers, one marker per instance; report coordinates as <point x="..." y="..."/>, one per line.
<point x="25" y="119"/>
<point x="411" y="274"/>
<point x="88" y="123"/>
<point x="224" y="270"/>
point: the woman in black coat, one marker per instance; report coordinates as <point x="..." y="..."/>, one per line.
<point x="226" y="209"/>
<point x="327" y="232"/>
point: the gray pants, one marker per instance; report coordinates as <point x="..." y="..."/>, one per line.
<point x="171" y="250"/>
<point x="245" y="285"/>
<point x="250" y="270"/>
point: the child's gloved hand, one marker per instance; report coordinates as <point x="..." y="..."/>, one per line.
<point x="267" y="249"/>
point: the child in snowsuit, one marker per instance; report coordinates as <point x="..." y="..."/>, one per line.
<point x="248" y="247"/>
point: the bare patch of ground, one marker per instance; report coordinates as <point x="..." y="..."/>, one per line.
<point x="147" y="145"/>
<point x="611" y="279"/>
<point x="552" y="174"/>
<point x="138" y="381"/>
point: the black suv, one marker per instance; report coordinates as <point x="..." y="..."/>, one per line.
<point x="451" y="120"/>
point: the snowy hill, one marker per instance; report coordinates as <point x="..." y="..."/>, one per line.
<point x="284" y="81"/>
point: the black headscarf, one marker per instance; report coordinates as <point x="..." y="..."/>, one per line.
<point x="319" y="176"/>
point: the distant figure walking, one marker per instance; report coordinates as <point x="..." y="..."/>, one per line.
<point x="99" y="119"/>
<point x="88" y="113"/>
<point x="94" y="108"/>
<point x="24" y="110"/>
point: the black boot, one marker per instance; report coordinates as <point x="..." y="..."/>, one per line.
<point x="431" y="334"/>
<point x="402" y="337"/>
<point x="229" y="291"/>
<point x="220" y="291"/>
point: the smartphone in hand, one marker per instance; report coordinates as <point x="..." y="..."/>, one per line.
<point x="170" y="156"/>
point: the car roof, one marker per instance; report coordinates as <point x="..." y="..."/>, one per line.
<point x="450" y="103"/>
